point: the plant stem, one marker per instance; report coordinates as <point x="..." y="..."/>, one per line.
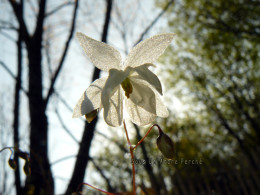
<point x="9" y="148"/>
<point x="159" y="128"/>
<point x="131" y="148"/>
<point x="105" y="192"/>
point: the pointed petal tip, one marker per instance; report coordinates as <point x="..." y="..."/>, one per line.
<point x="79" y="34"/>
<point x="170" y="34"/>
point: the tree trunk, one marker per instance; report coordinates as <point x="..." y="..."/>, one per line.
<point x="89" y="129"/>
<point x="82" y="158"/>
<point x="40" y="181"/>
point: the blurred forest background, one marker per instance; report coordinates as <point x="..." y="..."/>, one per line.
<point x="211" y="80"/>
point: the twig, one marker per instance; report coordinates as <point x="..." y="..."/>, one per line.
<point x="154" y="21"/>
<point x="110" y="188"/>
<point x="8" y="70"/>
<point x="12" y="75"/>
<point x="62" y="159"/>
<point x="65" y="127"/>
<point x="58" y="8"/>
<point x="51" y="89"/>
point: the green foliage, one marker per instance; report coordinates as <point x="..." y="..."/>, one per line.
<point x="214" y="66"/>
<point x="214" y="69"/>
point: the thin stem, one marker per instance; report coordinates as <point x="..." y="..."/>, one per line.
<point x="131" y="148"/>
<point x="97" y="189"/>
<point x="10" y="148"/>
<point x="126" y="133"/>
<point x="159" y="128"/>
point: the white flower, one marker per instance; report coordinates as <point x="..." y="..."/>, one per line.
<point x="131" y="82"/>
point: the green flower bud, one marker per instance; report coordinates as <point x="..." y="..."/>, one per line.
<point x="12" y="163"/>
<point x="91" y="115"/>
<point x="27" y="168"/>
<point x="165" y="145"/>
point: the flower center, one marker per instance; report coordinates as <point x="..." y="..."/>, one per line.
<point x="127" y="86"/>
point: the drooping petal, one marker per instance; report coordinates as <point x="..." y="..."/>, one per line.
<point x="141" y="105"/>
<point x="147" y="75"/>
<point x="115" y="78"/>
<point x="91" y="98"/>
<point x="148" y="50"/>
<point x="103" y="56"/>
<point x="111" y="95"/>
<point x="113" y="110"/>
<point x="161" y="109"/>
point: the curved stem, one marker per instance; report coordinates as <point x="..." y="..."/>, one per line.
<point x="131" y="148"/>
<point x="105" y="192"/>
<point x="9" y="148"/>
<point x="147" y="133"/>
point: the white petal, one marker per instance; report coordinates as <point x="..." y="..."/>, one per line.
<point x="148" y="50"/>
<point x="147" y="75"/>
<point x="161" y="109"/>
<point x="115" y="78"/>
<point x="113" y="110"/>
<point x="141" y="106"/>
<point x="111" y="95"/>
<point x="101" y="55"/>
<point x="91" y="98"/>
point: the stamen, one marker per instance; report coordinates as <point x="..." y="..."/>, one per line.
<point x="127" y="87"/>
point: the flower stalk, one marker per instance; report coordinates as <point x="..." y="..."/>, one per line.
<point x="131" y="149"/>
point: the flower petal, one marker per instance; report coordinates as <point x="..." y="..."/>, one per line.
<point x="115" y="78"/>
<point x="113" y="110"/>
<point x="141" y="106"/>
<point x="138" y="115"/>
<point x="148" y="50"/>
<point x="161" y="109"/>
<point x="147" y="75"/>
<point x="111" y="95"/>
<point x="101" y="55"/>
<point x="91" y="98"/>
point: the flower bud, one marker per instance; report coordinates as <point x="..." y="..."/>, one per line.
<point x="91" y="115"/>
<point x="27" y="168"/>
<point x="12" y="163"/>
<point x="165" y="145"/>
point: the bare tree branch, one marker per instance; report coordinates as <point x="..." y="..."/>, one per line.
<point x="65" y="127"/>
<point x="65" y="103"/>
<point x="8" y="70"/>
<point x="56" y="9"/>
<point x="62" y="159"/>
<point x="109" y="186"/>
<point x="18" y="85"/>
<point x="51" y="89"/>
<point x="40" y="19"/>
<point x="20" y="19"/>
<point x="154" y="21"/>
<point x="33" y="8"/>
<point x="7" y="36"/>
<point x="7" y="25"/>
<point x="12" y="75"/>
